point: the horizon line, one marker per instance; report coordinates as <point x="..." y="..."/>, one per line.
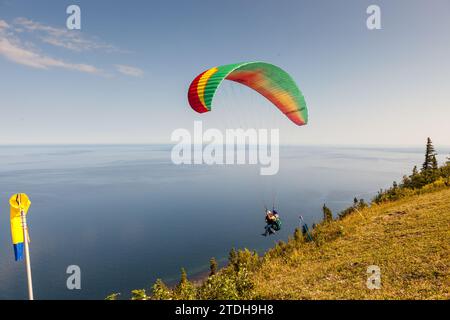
<point x="374" y="145"/>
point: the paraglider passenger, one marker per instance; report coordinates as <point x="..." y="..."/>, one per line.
<point x="271" y="219"/>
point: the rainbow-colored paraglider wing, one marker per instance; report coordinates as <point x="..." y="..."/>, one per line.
<point x="269" y="80"/>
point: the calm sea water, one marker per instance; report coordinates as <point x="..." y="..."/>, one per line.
<point x="126" y="215"/>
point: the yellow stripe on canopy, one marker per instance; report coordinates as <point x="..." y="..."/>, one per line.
<point x="202" y="84"/>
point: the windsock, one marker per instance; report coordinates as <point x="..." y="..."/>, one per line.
<point x="18" y="202"/>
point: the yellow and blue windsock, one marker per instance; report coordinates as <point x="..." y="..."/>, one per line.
<point x="18" y="202"/>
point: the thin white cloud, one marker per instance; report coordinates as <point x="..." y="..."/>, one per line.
<point x="69" y="39"/>
<point x="3" y="25"/>
<point x="129" y="70"/>
<point x="26" y="57"/>
<point x="13" y="49"/>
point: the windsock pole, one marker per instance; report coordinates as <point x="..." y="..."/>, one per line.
<point x="307" y="229"/>
<point x="27" y="253"/>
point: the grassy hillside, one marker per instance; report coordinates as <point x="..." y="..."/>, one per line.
<point x="408" y="239"/>
<point x="404" y="231"/>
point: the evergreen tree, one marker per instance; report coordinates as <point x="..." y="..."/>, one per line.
<point x="430" y="153"/>
<point x="362" y="204"/>
<point x="161" y="291"/>
<point x="445" y="171"/>
<point x="417" y="179"/>
<point x="327" y="214"/>
<point x="212" y="266"/>
<point x="434" y="163"/>
<point x="232" y="256"/>
<point x="183" y="278"/>
<point x="185" y="290"/>
<point x="406" y="182"/>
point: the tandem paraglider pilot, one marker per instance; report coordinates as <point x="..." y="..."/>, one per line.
<point x="273" y="222"/>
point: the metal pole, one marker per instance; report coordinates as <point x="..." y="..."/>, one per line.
<point x="307" y="229"/>
<point x="27" y="255"/>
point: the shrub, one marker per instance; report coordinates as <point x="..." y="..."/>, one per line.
<point x="212" y="266"/>
<point x="138" y="294"/>
<point x="228" y="285"/>
<point x="185" y="290"/>
<point x="112" y="296"/>
<point x="298" y="236"/>
<point x="245" y="259"/>
<point x="218" y="288"/>
<point x="327" y="214"/>
<point x="160" y="291"/>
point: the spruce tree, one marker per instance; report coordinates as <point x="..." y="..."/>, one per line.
<point x="430" y="153"/>
<point x="183" y="279"/>
<point x="185" y="290"/>
<point x="434" y="164"/>
<point x="362" y="204"/>
<point x="327" y="214"/>
<point x="212" y="267"/>
<point x="406" y="182"/>
<point x="232" y="256"/>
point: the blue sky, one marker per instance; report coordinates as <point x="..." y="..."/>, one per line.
<point x="124" y="77"/>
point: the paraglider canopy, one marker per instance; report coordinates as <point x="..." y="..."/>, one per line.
<point x="269" y="80"/>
